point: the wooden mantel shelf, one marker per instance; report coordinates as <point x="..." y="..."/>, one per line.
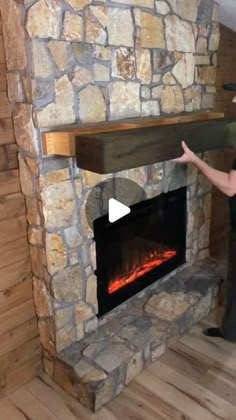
<point x="114" y="146"/>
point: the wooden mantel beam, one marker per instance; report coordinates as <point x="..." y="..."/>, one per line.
<point x="114" y="146"/>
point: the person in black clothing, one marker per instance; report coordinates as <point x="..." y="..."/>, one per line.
<point x="226" y="183"/>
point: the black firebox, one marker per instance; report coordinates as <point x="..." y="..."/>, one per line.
<point x="140" y="248"/>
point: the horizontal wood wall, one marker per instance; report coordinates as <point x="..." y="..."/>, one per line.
<point x="226" y="71"/>
<point x="20" y="351"/>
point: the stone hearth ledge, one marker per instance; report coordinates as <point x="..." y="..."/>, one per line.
<point x="96" y="369"/>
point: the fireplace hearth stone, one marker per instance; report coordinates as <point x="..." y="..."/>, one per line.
<point x="97" y="368"/>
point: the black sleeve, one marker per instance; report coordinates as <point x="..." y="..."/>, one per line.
<point x="234" y="165"/>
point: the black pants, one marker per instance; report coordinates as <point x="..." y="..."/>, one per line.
<point x="229" y="320"/>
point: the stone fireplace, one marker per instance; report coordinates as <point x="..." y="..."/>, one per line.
<point x="85" y="62"/>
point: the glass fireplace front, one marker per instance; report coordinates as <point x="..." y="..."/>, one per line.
<point x="140" y="248"/>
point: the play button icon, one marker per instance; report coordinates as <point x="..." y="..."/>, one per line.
<point x="116" y="210"/>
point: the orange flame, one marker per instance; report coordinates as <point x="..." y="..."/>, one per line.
<point x="152" y="261"/>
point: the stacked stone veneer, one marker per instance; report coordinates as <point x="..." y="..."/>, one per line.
<point x="81" y="61"/>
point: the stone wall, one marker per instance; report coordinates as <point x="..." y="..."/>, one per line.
<point x="71" y="65"/>
<point x="131" y="58"/>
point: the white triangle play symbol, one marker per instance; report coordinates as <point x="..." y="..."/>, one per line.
<point x="117" y="210"/>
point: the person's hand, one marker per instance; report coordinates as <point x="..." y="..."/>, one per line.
<point x="187" y="157"/>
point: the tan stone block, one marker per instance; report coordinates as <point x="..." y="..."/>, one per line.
<point x="73" y="27"/>
<point x="172" y="100"/>
<point x="42" y="298"/>
<point x="100" y="13"/>
<point x="64" y="316"/>
<point x="41" y="62"/>
<point x="210" y="89"/>
<point x="162" y="7"/>
<point x="186" y="9"/>
<point x="43" y="19"/>
<point x="78" y="4"/>
<point x="204" y="235"/>
<point x="14" y="87"/>
<point x="91" y="94"/>
<point x="104" y="393"/>
<point x="184" y="70"/>
<point x="101" y="52"/>
<point x="95" y="33"/>
<point x="179" y="34"/>
<point x="123" y="63"/>
<point x="169" y="306"/>
<point x="206" y="75"/>
<point x="61" y="111"/>
<point x="196" y="101"/>
<point x="91" y="325"/>
<point x="101" y="73"/>
<point x="60" y="53"/>
<point x="67" y="285"/>
<point x="66" y="378"/>
<point x="168" y="79"/>
<point x="150" y="108"/>
<point x="124" y="100"/>
<point x="25" y="178"/>
<point x="202" y="60"/>
<point x="214" y="38"/>
<point x="152" y="31"/>
<point x="56" y="252"/>
<point x="35" y="236"/>
<point x="73" y="237"/>
<point x="25" y="133"/>
<point x="54" y="177"/>
<point x="208" y="101"/>
<point x="139" y="3"/>
<point x="79" y="331"/>
<point x="81" y="76"/>
<point x="120" y="27"/>
<point x="158" y="352"/>
<point x="144" y="67"/>
<point x="65" y="337"/>
<point x="36" y="261"/>
<point x="215" y="13"/>
<point x="134" y="367"/>
<point x="27" y="88"/>
<point x="59" y="205"/>
<point x="46" y="332"/>
<point x="32" y="211"/>
<point x="83" y="312"/>
<point x="157" y="92"/>
<point x="88" y="373"/>
<point x="110" y="356"/>
<point x="14" y="36"/>
<point x="91" y="292"/>
<point x="202" y="308"/>
<point x="92" y="249"/>
<point x="201" y="46"/>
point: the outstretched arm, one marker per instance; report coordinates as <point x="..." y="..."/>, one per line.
<point x="225" y="182"/>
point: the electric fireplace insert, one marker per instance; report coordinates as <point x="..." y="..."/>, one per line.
<point x="140" y="248"/>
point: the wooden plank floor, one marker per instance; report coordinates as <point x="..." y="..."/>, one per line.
<point x="195" y="379"/>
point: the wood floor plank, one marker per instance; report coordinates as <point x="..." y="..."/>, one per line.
<point x="221" y="384"/>
<point x="74" y="406"/>
<point x="31" y="406"/>
<point x="212" y="403"/>
<point x="8" y="411"/>
<point x="50" y="399"/>
<point x="138" y="402"/>
<point x="222" y="352"/>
